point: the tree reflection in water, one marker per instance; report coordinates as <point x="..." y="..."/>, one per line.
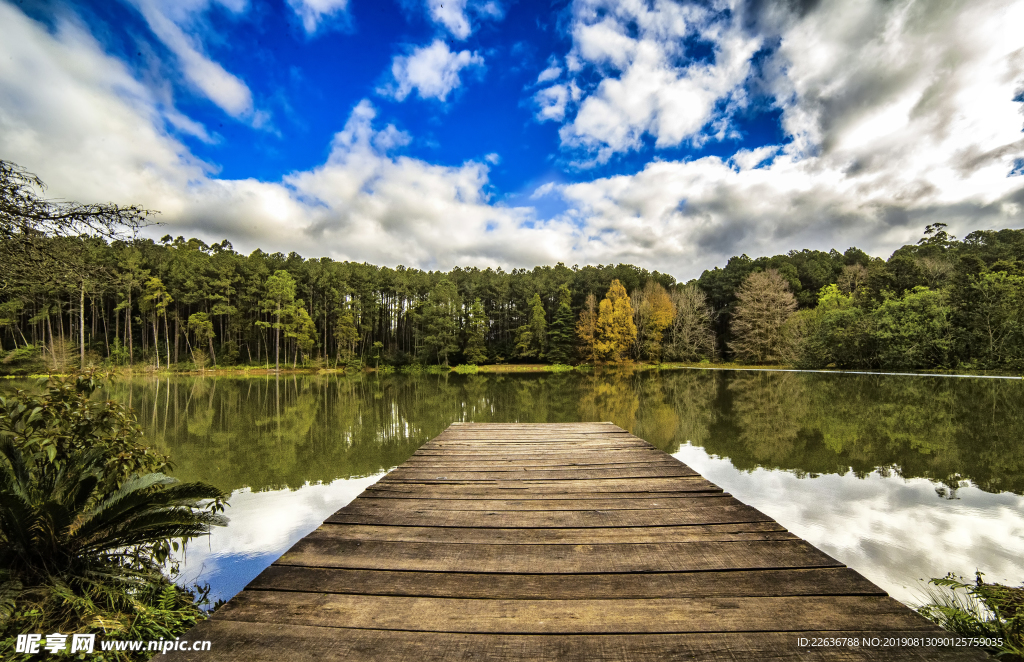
<point x="266" y="433"/>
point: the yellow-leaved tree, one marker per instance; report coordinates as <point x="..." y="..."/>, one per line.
<point x="653" y="312"/>
<point x="616" y="331"/>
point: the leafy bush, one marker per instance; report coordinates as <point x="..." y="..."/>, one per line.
<point x="983" y="610"/>
<point x="88" y="520"/>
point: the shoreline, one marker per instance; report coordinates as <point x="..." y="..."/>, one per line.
<point x="520" y="368"/>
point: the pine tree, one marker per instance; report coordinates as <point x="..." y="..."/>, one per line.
<point x="560" y="333"/>
<point x="586" y="329"/>
<point x="531" y="338"/>
<point x="441" y="331"/>
<point x="475" y="351"/>
<point x="616" y="331"/>
<point x="280" y="292"/>
<point x="346" y="334"/>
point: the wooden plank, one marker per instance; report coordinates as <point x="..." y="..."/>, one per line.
<point x="558" y="519"/>
<point x="548" y="474"/>
<point x="320" y="551"/>
<point x="417" y="491"/>
<point x="596" y="463"/>
<point x="531" y="486"/>
<point x="561" y="541"/>
<point x="396" y="504"/>
<point x="741" y="583"/>
<point x="531" y="465"/>
<point x="650" y="534"/>
<point x="603" y="457"/>
<point x="235" y="641"/>
<point x="666" y="615"/>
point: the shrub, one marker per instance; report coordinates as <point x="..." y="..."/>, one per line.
<point x="88" y="520"/>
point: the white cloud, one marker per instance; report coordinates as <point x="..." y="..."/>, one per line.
<point x="552" y="72"/>
<point x="209" y="78"/>
<point x="79" y="119"/>
<point x="890" y="529"/>
<point x="454" y="15"/>
<point x="551" y="103"/>
<point x="900" y="115"/>
<point x="650" y="83"/>
<point x="314" y="12"/>
<point x="433" y="71"/>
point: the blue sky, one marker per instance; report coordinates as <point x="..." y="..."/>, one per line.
<point x="669" y="134"/>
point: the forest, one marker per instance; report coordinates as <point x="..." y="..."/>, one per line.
<point x="87" y="293"/>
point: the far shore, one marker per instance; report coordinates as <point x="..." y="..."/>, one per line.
<point x="504" y="368"/>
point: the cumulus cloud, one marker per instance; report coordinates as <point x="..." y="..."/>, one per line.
<point x="223" y="88"/>
<point x="432" y="71"/>
<point x="898" y="115"/>
<point x="75" y="116"/>
<point x="934" y="142"/>
<point x="651" y="83"/>
<point x="454" y="15"/>
<point x="314" y="12"/>
<point x="551" y="103"/>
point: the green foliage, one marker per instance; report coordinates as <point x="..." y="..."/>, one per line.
<point x="561" y="332"/>
<point x="914" y="331"/>
<point x="531" y="338"/>
<point x="87" y="518"/>
<point x="439" y="316"/>
<point x="979" y="609"/>
<point x="252" y="310"/>
<point x="475" y="350"/>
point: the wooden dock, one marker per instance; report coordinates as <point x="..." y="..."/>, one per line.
<point x="556" y="541"/>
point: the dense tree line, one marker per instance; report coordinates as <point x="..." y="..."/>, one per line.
<point x="939" y="303"/>
<point x="176" y="301"/>
<point x="77" y="288"/>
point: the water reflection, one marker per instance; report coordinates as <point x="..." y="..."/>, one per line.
<point x="850" y="462"/>
<point x="265" y="433"/>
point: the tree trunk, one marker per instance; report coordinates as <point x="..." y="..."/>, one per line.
<point x="81" y="326"/>
<point x="128" y="328"/>
<point x="156" y="339"/>
<point x="49" y="327"/>
<point x="213" y="357"/>
<point x="277" y="341"/>
<point x="106" y="339"/>
<point x="167" y="340"/>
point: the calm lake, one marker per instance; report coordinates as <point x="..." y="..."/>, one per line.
<point x="900" y="477"/>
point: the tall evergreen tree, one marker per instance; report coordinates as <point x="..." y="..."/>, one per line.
<point x="279" y="294"/>
<point x="561" y="331"/>
<point x="439" y="322"/>
<point x="586" y="329"/>
<point x="531" y="338"/>
<point x="475" y="351"/>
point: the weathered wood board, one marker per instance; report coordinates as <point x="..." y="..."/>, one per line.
<point x="557" y="541"/>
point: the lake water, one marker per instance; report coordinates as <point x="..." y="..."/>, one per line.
<point x="900" y="477"/>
